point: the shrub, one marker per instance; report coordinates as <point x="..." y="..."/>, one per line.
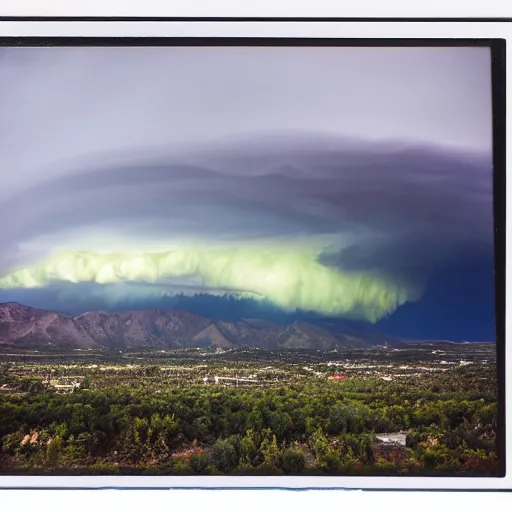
<point x="224" y="455"/>
<point x="293" y="461"/>
<point x="199" y="462"/>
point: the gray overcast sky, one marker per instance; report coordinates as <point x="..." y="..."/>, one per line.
<point x="60" y="104"/>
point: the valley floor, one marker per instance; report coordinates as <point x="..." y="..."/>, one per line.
<point x="422" y="409"/>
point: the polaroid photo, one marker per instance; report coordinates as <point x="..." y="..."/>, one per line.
<point x="253" y="254"/>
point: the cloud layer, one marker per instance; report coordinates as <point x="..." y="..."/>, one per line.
<point x="347" y="232"/>
<point x="143" y="172"/>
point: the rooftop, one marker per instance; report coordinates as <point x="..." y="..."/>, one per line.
<point x="395" y="437"/>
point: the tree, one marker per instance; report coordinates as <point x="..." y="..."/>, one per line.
<point x="199" y="462"/>
<point x="170" y="434"/>
<point x="318" y="443"/>
<point x="270" y="452"/>
<point x="249" y="449"/>
<point x="86" y="383"/>
<point x="337" y="421"/>
<point x="366" y="448"/>
<point x="330" y="461"/>
<point x="293" y="461"/>
<point x="53" y="450"/>
<point x="224" y="455"/>
<point x="140" y="430"/>
<point x="280" y="424"/>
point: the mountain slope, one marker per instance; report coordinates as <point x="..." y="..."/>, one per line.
<point x="36" y="327"/>
<point x="149" y="328"/>
<point x="24" y="326"/>
<point x="212" y="336"/>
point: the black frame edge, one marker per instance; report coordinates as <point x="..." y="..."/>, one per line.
<point x="498" y="74"/>
<point x="242" y="41"/>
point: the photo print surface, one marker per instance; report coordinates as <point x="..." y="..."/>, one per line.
<point x="247" y="261"/>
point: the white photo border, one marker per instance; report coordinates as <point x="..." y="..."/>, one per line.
<point x="277" y="29"/>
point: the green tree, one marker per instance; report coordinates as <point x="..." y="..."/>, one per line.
<point x="199" y="462"/>
<point x="249" y="449"/>
<point x="224" y="455"/>
<point x="293" y="461"/>
<point x="53" y="451"/>
<point x="270" y="452"/>
<point x="86" y="383"/>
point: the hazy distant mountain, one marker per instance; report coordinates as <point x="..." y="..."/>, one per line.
<point x="36" y="327"/>
<point x="23" y="326"/>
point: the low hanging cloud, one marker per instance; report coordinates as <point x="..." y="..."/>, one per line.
<point x="290" y="280"/>
<point x="338" y="227"/>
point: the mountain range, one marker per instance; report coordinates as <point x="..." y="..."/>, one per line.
<point x="26" y="327"/>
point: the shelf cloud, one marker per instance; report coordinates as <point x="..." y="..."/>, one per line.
<point x="293" y="200"/>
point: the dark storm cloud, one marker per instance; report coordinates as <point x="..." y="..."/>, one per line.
<point x="406" y="207"/>
<point x="379" y="159"/>
<point x="59" y="103"/>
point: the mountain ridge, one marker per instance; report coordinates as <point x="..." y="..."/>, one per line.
<point x="26" y="327"/>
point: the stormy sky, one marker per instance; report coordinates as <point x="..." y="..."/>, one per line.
<point x="353" y="183"/>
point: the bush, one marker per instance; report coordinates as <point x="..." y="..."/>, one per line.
<point x="182" y="467"/>
<point x="224" y="455"/>
<point x="330" y="461"/>
<point x="103" y="469"/>
<point x="244" y="469"/>
<point x="293" y="461"/>
<point x="211" y="470"/>
<point x="199" y="462"/>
